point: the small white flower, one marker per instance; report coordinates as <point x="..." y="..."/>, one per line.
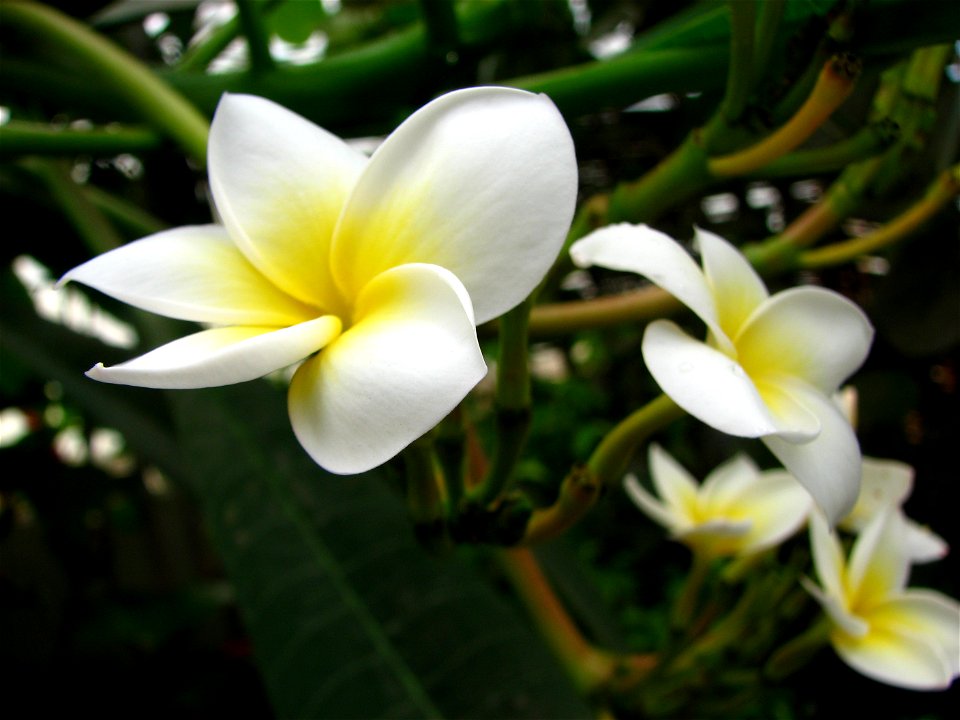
<point x="373" y="273"/>
<point x="738" y="510"/>
<point x="769" y="364"/>
<point x="904" y="637"/>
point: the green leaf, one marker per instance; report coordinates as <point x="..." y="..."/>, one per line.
<point x="348" y="616"/>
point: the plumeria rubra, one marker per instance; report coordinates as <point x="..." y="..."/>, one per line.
<point x="373" y="272"/>
<point x="769" y="364"/>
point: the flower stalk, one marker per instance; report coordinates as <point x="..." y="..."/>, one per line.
<point x="834" y="85"/>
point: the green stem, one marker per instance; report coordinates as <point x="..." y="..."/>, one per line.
<point x="153" y="99"/>
<point x="740" y="73"/>
<point x="583" y="485"/>
<point x="681" y="175"/>
<point x="196" y="58"/>
<point x="19" y="137"/>
<point x="686" y="604"/>
<point x="513" y="404"/>
<point x="942" y="191"/>
<point x="797" y="652"/>
<point x="833" y="87"/>
<point x="608" y="463"/>
<point x="440" y="19"/>
<point x="258" y="40"/>
<point x="865" y="143"/>
<point x="425" y="499"/>
<point x="765" y="38"/>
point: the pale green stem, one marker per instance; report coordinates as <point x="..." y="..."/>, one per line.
<point x="940" y="193"/>
<point x="609" y="461"/>
<point x="19" y="137"/>
<point x="606" y="466"/>
<point x="154" y="100"/>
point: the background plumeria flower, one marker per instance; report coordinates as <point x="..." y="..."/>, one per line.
<point x="887" y="484"/>
<point x="769" y="364"/>
<point x="738" y="510"/>
<point x="904" y="637"/>
<point x="376" y="272"/>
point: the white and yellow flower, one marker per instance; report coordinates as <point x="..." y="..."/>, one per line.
<point x="374" y="273"/>
<point x="904" y="637"/>
<point x="738" y="510"/>
<point x="769" y="364"/>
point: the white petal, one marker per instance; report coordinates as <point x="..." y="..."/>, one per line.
<point x="737" y="289"/>
<point x="481" y="181"/>
<point x="924" y="545"/>
<point x="657" y="511"/>
<point x="776" y="506"/>
<point x="675" y="486"/>
<point x="716" y="537"/>
<point x="809" y="333"/>
<point x="827" y="466"/>
<point x="660" y="259"/>
<point x="409" y="359"/>
<point x="828" y="558"/>
<point x="884" y="483"/>
<point x="191" y="273"/>
<point x="879" y="563"/>
<point x="845" y="622"/>
<point x="279" y="183"/>
<point x="912" y="642"/>
<point x="705" y="382"/>
<point x="932" y="615"/>
<point x="728" y="483"/>
<point x="221" y="356"/>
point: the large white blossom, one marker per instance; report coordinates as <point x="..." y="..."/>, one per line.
<point x="899" y="636"/>
<point x="738" y="510"/>
<point x="374" y="273"/>
<point x="769" y="364"/>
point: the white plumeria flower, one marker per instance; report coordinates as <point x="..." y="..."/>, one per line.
<point x="904" y="637"/>
<point x="887" y="484"/>
<point x="374" y="271"/>
<point x="738" y="510"/>
<point x="770" y="363"/>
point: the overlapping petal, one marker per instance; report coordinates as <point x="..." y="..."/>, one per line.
<point x="737" y="289"/>
<point x="660" y="259"/>
<point x="673" y="483"/>
<point x="658" y="511"/>
<point x="705" y="382"/>
<point x="191" y="273"/>
<point x="221" y="356"/>
<point x="776" y="505"/>
<point x="828" y="466"/>
<point x="410" y="357"/>
<point x="808" y="333"/>
<point x="828" y="558"/>
<point x="879" y="564"/>
<point x="279" y="183"/>
<point x="897" y="657"/>
<point x="481" y="181"/>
